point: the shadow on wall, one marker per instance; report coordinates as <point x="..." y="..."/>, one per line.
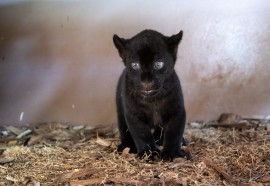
<point x="58" y="62"/>
<point x="53" y="67"/>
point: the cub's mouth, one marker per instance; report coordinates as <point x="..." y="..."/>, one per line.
<point x="149" y="92"/>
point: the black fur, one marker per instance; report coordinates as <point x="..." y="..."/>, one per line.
<point x="149" y="99"/>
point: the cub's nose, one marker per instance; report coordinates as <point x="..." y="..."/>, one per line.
<point x="149" y="85"/>
<point x="147" y="80"/>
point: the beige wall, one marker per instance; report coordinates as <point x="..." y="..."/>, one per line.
<point x="58" y="62"/>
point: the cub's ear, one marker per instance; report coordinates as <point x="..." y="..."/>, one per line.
<point x="173" y="42"/>
<point x="119" y="44"/>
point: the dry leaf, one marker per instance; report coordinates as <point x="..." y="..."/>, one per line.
<point x="83" y="172"/>
<point x="65" y="176"/>
<point x="126" y="151"/>
<point x="9" y="178"/>
<point x="103" y="142"/>
<point x="35" y="139"/>
<point x="14" y="130"/>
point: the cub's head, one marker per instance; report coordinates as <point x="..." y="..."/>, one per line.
<point x="149" y="58"/>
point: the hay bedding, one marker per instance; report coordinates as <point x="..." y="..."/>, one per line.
<point x="230" y="151"/>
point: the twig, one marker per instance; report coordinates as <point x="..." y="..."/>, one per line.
<point x="24" y="133"/>
<point x="227" y="177"/>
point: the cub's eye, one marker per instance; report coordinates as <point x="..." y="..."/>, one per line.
<point x="158" y="65"/>
<point x="135" y="66"/>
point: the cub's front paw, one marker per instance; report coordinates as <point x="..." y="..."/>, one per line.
<point x="171" y="154"/>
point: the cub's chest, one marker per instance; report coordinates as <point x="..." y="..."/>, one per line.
<point x="157" y="118"/>
<point x="155" y="114"/>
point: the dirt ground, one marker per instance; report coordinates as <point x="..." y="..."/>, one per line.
<point x="233" y="150"/>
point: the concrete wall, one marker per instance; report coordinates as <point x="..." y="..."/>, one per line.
<point x="58" y="62"/>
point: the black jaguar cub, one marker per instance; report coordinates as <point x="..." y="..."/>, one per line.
<point x="149" y="98"/>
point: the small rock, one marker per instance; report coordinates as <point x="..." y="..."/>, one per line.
<point x="5" y="133"/>
<point x="229" y="118"/>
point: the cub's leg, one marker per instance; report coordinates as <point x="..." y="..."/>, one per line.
<point x="142" y="136"/>
<point x="173" y="137"/>
<point x="125" y="136"/>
